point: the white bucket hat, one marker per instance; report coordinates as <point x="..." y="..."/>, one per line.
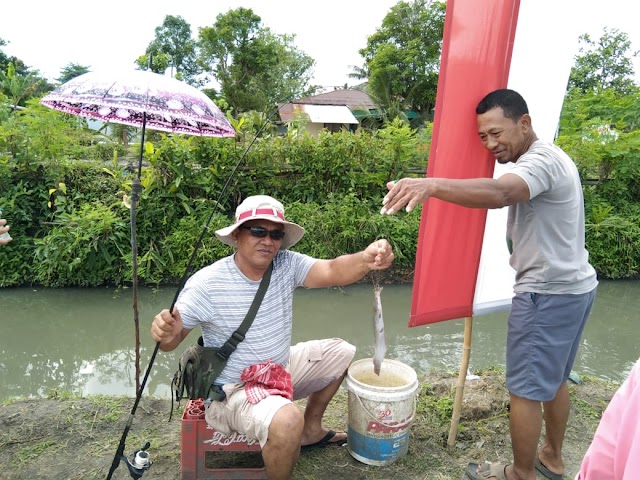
<point x="262" y="207"/>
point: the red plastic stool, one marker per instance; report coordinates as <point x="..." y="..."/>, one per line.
<point x="207" y="454"/>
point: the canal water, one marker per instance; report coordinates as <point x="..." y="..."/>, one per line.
<point x="82" y="340"/>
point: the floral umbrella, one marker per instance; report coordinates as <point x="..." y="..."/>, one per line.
<point x="140" y="99"/>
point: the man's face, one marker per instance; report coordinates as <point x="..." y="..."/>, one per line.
<point x="257" y="251"/>
<point x="506" y="139"/>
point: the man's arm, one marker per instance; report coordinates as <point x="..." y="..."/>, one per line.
<point x="348" y="269"/>
<point x="468" y="192"/>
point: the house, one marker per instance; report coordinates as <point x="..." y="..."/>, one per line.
<point x="333" y="111"/>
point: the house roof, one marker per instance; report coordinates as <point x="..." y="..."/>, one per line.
<point x="350" y="98"/>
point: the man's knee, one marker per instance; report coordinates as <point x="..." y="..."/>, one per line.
<point x="282" y="448"/>
<point x="286" y="426"/>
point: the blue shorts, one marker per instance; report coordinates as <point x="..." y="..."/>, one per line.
<point x="542" y="340"/>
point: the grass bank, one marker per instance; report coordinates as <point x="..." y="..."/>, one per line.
<point x="70" y="438"/>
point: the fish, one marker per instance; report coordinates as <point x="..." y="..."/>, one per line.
<point x="378" y="331"/>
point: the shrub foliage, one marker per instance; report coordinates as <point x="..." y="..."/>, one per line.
<point x="66" y="194"/>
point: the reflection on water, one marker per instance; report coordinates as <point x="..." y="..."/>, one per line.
<point x="81" y="340"/>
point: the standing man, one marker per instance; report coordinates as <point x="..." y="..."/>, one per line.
<point x="555" y="284"/>
<point x="217" y="298"/>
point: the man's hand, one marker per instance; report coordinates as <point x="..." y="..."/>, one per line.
<point x="167" y="329"/>
<point x="4" y="229"/>
<point x="407" y="191"/>
<point x="379" y="255"/>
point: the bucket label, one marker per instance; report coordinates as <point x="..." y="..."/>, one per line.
<point x="381" y="428"/>
<point x="377" y="450"/>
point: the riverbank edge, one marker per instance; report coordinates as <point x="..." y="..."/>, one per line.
<point x="68" y="437"/>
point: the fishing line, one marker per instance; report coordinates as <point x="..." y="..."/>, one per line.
<point x="136" y="469"/>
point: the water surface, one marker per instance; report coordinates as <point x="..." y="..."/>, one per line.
<point x="82" y="340"/>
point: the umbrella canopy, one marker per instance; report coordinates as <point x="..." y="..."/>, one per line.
<point x="138" y="98"/>
<point x="147" y="100"/>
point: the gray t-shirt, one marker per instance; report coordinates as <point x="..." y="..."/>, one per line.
<point x="547" y="232"/>
<point x="218" y="298"/>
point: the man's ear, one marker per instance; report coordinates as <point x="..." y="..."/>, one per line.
<point x="525" y="121"/>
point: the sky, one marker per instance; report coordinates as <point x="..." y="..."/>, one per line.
<point x="47" y="36"/>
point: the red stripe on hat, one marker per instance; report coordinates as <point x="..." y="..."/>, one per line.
<point x="260" y="211"/>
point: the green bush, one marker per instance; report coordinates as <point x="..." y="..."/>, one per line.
<point x="346" y="224"/>
<point x="614" y="246"/>
<point x="66" y="197"/>
<point x="85" y="248"/>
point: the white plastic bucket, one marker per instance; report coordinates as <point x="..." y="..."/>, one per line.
<point x="381" y="409"/>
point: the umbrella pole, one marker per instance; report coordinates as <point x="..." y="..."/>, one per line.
<point x="462" y="376"/>
<point x="136" y="191"/>
<point x="144" y="127"/>
<point x="136" y="188"/>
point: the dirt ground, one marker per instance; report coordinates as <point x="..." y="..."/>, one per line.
<point x="67" y="438"/>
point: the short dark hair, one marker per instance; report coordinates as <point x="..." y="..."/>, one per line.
<point x="511" y="102"/>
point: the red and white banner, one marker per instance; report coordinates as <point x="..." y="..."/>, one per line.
<point x="462" y="262"/>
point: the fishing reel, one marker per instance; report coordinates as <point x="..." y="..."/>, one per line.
<point x="139" y="463"/>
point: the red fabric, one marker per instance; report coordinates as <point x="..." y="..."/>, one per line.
<point x="260" y="211"/>
<point x="476" y="55"/>
<point x="266" y="379"/>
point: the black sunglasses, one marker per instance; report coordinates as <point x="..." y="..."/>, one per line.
<point x="262" y="232"/>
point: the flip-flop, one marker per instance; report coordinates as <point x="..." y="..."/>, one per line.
<point x="324" y="442"/>
<point x="486" y="470"/>
<point x="546" y="472"/>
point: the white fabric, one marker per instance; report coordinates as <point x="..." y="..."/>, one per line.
<point x="539" y="71"/>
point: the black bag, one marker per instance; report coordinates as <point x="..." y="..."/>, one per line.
<point x="199" y="366"/>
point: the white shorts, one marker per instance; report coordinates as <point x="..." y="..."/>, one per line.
<point x="313" y="365"/>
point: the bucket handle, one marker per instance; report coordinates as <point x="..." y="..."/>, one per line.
<point x="413" y="414"/>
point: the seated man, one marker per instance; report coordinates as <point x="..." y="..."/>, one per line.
<point x="218" y="297"/>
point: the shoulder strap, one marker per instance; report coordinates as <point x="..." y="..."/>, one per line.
<point x="230" y="345"/>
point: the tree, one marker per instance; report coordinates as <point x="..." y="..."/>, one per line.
<point x="19" y="66"/>
<point x="172" y="48"/>
<point x="402" y="58"/>
<point x="255" y="68"/>
<point x="19" y="88"/>
<point x="4" y="60"/>
<point x="604" y="64"/>
<point x="18" y="82"/>
<point x="72" y="70"/>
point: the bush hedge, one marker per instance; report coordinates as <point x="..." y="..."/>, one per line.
<point x="70" y="216"/>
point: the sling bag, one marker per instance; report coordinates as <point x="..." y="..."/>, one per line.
<point x="199" y="366"/>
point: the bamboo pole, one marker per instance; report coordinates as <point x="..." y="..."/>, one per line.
<point x="462" y="376"/>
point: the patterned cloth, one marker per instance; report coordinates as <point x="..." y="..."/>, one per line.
<point x="266" y="379"/>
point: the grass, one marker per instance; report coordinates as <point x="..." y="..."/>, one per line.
<point x="44" y="438"/>
<point x="32" y="452"/>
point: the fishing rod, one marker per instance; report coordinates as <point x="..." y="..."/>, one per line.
<point x="141" y="460"/>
